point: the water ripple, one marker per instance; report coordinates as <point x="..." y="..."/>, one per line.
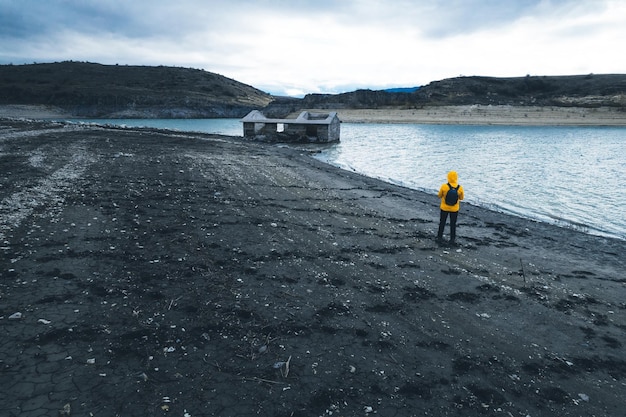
<point x="570" y="176"/>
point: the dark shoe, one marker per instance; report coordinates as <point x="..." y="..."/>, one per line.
<point x="453" y="244"/>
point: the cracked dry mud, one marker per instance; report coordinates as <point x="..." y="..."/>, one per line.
<point x="155" y="273"/>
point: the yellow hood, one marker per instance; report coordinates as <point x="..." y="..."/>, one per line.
<point x="453" y="178"/>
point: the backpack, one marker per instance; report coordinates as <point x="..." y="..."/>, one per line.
<point x="452" y="196"/>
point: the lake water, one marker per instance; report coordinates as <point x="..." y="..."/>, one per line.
<point x="569" y="176"/>
<point x="230" y="127"/>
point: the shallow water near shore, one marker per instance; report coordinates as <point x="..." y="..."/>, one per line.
<point x="569" y="176"/>
<point x="229" y="127"/>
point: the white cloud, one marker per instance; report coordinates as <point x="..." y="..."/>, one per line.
<point x="324" y="46"/>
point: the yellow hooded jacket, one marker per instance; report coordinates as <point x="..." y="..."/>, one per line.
<point x="453" y="179"/>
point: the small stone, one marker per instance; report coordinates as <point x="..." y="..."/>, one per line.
<point x="66" y="411"/>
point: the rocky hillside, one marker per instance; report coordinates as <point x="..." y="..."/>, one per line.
<point x="576" y="90"/>
<point x="94" y="90"/>
<point x="570" y="91"/>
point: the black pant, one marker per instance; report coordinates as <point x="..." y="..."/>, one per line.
<point x="443" y="216"/>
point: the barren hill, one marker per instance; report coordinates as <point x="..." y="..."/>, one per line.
<point x="574" y="90"/>
<point x="581" y="91"/>
<point x="94" y="90"/>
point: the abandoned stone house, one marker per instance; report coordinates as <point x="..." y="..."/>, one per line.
<point x="307" y="127"/>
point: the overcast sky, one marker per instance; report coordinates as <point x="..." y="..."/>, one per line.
<point x="299" y="46"/>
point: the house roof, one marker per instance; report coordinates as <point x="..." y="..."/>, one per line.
<point x="305" y="118"/>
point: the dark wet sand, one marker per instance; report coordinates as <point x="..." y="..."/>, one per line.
<point x="147" y="273"/>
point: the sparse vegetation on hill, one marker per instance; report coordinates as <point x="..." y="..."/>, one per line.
<point x="94" y="90"/>
<point x="585" y="91"/>
<point x="577" y="90"/>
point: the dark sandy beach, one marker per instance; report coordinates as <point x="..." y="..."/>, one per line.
<point x="148" y="273"/>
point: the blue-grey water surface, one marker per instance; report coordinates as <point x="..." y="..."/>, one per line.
<point x="570" y="176"/>
<point x="229" y="127"/>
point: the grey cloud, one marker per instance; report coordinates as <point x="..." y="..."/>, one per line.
<point x="206" y="27"/>
<point x="145" y="17"/>
<point x="444" y="18"/>
<point x="30" y="18"/>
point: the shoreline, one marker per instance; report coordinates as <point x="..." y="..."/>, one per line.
<point x="411" y="116"/>
<point x="468" y="115"/>
<point x="487" y="115"/>
<point x="554" y="221"/>
<point x="147" y="271"/>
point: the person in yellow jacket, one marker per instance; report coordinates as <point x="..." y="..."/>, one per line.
<point x="450" y="205"/>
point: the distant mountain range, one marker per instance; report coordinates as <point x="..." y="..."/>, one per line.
<point x="94" y="90"/>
